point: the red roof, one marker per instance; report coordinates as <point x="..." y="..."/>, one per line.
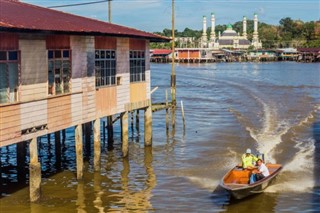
<point x="19" y="16"/>
<point x="161" y="52"/>
<point x="309" y="49"/>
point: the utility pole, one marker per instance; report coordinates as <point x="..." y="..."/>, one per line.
<point x="109" y="10"/>
<point x="173" y="74"/>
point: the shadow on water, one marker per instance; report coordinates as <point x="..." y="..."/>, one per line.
<point x="54" y="159"/>
<point x="264" y="202"/>
<point x="316" y="192"/>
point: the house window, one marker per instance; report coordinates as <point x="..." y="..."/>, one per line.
<point x="105" y="66"/>
<point x="9" y="76"/>
<point x="59" y="71"/>
<point x="137" y="66"/>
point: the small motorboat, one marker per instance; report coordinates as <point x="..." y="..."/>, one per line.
<point x="236" y="181"/>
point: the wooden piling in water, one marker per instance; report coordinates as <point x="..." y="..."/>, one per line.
<point x="97" y="144"/>
<point x="87" y="133"/>
<point x="167" y="113"/>
<point x="137" y="121"/>
<point x="183" y="119"/>
<point x="21" y="158"/>
<point x="34" y="172"/>
<point x="148" y="126"/>
<point x="79" y="151"/>
<point x="110" y="131"/>
<point x="57" y="141"/>
<point x="124" y="134"/>
<point x="104" y="132"/>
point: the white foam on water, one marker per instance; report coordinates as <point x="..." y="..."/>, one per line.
<point x="298" y="174"/>
<point x="205" y="183"/>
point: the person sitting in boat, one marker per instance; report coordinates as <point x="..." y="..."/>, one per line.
<point x="248" y="160"/>
<point x="261" y="173"/>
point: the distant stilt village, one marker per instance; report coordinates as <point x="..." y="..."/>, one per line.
<point x="230" y="46"/>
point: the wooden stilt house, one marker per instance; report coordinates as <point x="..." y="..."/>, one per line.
<point x="59" y="70"/>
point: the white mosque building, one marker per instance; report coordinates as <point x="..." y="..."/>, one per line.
<point x="230" y="38"/>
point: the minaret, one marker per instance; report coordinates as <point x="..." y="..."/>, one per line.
<point x="213" y="26"/>
<point x="204" y="33"/>
<point x="244" y="27"/>
<point x="255" y="29"/>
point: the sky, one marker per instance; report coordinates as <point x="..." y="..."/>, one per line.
<point x="155" y="15"/>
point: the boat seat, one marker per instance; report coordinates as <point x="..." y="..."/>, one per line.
<point x="243" y="180"/>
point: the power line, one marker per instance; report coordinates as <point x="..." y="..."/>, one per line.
<point x="79" y="4"/>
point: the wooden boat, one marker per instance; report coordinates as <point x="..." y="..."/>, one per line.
<point x="236" y="181"/>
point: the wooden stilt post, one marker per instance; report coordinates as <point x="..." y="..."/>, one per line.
<point x="167" y="113"/>
<point x="148" y="126"/>
<point x="137" y="121"/>
<point x="97" y="145"/>
<point x="110" y="131"/>
<point x="79" y="151"/>
<point x="57" y="140"/>
<point x="63" y="136"/>
<point x="124" y="134"/>
<point x="104" y="132"/>
<point x="183" y="119"/>
<point x="87" y="131"/>
<point x="49" y="138"/>
<point x="21" y="160"/>
<point x="131" y="113"/>
<point x="34" y="172"/>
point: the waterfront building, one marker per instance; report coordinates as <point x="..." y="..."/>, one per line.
<point x="59" y="70"/>
<point x="230" y="38"/>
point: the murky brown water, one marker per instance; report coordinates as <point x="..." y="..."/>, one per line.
<point x="272" y="108"/>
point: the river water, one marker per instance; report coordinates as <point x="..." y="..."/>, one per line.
<point x="273" y="108"/>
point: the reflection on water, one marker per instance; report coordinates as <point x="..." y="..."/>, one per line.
<point x="269" y="107"/>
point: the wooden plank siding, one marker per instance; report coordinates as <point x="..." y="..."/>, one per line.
<point x="138" y="92"/>
<point x="106" y="101"/>
<point x="59" y="113"/>
<point x="9" y="123"/>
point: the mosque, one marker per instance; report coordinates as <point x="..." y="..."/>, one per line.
<point x="230" y="38"/>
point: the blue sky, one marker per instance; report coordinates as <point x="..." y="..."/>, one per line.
<point x="155" y="15"/>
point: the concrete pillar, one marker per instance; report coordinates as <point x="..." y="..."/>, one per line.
<point x="79" y="151"/>
<point x="148" y="126"/>
<point x="57" y="140"/>
<point x="21" y="160"/>
<point x="34" y="172"/>
<point x="97" y="144"/>
<point x="124" y="134"/>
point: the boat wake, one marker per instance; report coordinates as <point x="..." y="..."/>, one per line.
<point x="274" y="134"/>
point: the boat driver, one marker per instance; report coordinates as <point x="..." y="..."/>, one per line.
<point x="248" y="160"/>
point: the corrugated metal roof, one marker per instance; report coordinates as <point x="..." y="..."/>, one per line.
<point x="19" y="16"/>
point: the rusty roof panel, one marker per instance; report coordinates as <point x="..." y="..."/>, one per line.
<point x="22" y="16"/>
